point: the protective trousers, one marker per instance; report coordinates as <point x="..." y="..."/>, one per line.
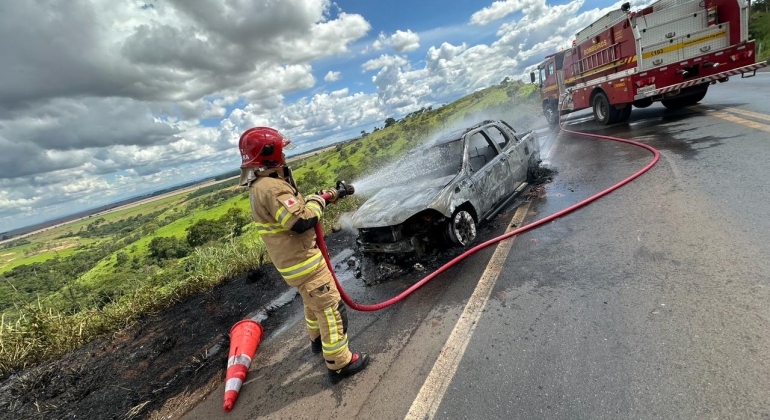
<point x="326" y="315"/>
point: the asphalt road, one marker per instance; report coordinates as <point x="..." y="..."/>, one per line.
<point x="653" y="302"/>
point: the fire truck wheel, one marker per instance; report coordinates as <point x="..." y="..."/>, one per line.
<point x="688" y="99"/>
<point x="643" y="103"/>
<point x="604" y="113"/>
<point x="625" y="113"/>
<point x="550" y="113"/>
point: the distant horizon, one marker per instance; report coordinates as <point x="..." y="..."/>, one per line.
<point x="145" y="194"/>
<point x="86" y="210"/>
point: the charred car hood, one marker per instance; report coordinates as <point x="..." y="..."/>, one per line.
<point x="393" y="205"/>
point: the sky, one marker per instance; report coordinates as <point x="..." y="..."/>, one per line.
<point x="103" y="100"/>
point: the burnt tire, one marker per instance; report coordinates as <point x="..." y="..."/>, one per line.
<point x="604" y="112"/>
<point x="461" y="228"/>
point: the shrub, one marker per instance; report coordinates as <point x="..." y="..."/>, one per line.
<point x="206" y="230"/>
<point x="167" y="247"/>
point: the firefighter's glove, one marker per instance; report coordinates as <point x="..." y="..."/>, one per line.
<point x="318" y="199"/>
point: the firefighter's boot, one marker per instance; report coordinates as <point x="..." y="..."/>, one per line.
<point x="315" y="345"/>
<point x="357" y="363"/>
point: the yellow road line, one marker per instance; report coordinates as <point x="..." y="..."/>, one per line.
<point x="432" y="392"/>
<point x="748" y="113"/>
<point x="738" y="120"/>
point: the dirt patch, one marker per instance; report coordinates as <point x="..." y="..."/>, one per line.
<point x="63" y="245"/>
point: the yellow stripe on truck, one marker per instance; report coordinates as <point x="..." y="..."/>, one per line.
<point x="686" y="43"/>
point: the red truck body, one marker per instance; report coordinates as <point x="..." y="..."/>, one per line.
<point x="670" y="51"/>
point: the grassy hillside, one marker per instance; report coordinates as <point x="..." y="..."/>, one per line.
<point x="759" y="27"/>
<point x="69" y="284"/>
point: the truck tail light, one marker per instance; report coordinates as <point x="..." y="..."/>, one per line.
<point x="644" y="82"/>
<point x="741" y="55"/>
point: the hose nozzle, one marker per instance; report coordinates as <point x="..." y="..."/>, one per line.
<point x="344" y="188"/>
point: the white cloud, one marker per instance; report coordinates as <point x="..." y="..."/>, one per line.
<point x="400" y="41"/>
<point x="405" y="41"/>
<point x="383" y="61"/>
<point x="501" y="9"/>
<point x="332" y="76"/>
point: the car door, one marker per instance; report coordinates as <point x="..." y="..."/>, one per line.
<point x="488" y="168"/>
<point x="515" y="159"/>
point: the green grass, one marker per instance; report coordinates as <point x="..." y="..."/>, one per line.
<point x="177" y="229"/>
<point x="763" y="49"/>
<point x="23" y="254"/>
<point x="40" y="257"/>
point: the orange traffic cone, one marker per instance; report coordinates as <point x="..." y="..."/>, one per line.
<point x="244" y="339"/>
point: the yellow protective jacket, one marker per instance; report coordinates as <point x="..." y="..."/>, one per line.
<point x="276" y="208"/>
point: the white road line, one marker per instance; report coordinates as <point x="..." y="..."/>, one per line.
<point x="432" y="392"/>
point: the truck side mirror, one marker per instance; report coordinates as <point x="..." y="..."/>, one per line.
<point x="532" y="76"/>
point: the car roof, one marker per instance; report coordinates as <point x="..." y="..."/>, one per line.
<point x="454" y="135"/>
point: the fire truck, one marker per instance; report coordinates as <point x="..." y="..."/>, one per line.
<point x="670" y="51"/>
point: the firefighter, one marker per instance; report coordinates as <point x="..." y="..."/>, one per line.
<point x="285" y="221"/>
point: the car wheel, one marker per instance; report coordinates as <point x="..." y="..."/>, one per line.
<point x="461" y="228"/>
<point x="533" y="169"/>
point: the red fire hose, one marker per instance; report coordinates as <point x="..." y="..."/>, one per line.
<point x="455" y="260"/>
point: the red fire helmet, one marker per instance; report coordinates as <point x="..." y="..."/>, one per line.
<point x="263" y="146"/>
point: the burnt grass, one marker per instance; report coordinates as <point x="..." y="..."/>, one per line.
<point x="132" y="372"/>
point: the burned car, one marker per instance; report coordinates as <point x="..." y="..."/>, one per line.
<point x="446" y="188"/>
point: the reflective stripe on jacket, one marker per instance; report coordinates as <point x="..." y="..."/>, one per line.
<point x="275" y="207"/>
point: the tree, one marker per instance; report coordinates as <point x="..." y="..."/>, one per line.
<point x="759" y="28"/>
<point x="364" y="133"/>
<point x="347" y="172"/>
<point x="167" y="247"/>
<point x="311" y="179"/>
<point x="206" y="230"/>
<point x="236" y="219"/>
<point x="389" y="121"/>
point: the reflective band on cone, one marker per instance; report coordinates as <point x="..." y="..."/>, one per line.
<point x="244" y="339"/>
